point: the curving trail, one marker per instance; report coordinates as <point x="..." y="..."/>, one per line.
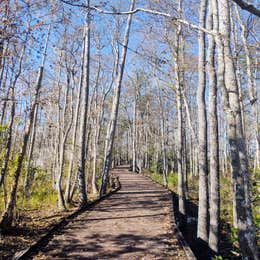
<point x="133" y="223"/>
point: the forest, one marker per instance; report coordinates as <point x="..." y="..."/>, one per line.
<point x="168" y="88"/>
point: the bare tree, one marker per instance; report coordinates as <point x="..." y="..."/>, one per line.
<point x="202" y="231"/>
<point x="251" y="89"/>
<point x="83" y="120"/>
<point x="11" y="123"/>
<point x="7" y="216"/>
<point x="114" y="112"/>
<point x="214" y="203"/>
<point x="239" y="160"/>
<point x="28" y="175"/>
<point x="249" y="7"/>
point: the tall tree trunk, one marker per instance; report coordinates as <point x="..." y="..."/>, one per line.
<point x="181" y="188"/>
<point x="146" y="129"/>
<point x="236" y="50"/>
<point x="202" y="231"/>
<point x="163" y="137"/>
<point x="4" y="41"/>
<point x="239" y="160"/>
<point x="95" y="154"/>
<point x="114" y="112"/>
<point x="66" y="126"/>
<point x="4" y="106"/>
<point x="2" y="66"/>
<point x="28" y="177"/>
<point x="81" y="178"/>
<point x="8" y="147"/>
<point x="134" y="134"/>
<point x="179" y="85"/>
<point x="7" y="216"/>
<point x="97" y="126"/>
<point x="193" y="137"/>
<point x="184" y="159"/>
<point x="251" y="89"/>
<point x="74" y="134"/>
<point x="214" y="204"/>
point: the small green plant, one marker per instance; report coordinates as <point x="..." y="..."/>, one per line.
<point x="217" y="257"/>
<point x="233" y="235"/>
<point x="157" y="177"/>
<point x="98" y="182"/>
<point x="42" y="194"/>
<point x="173" y="180"/>
<point x="153" y="167"/>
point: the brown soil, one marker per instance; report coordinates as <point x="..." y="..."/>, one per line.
<point x="133" y="223"/>
<point x="29" y="227"/>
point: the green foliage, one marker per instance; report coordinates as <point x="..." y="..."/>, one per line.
<point x="157" y="177"/>
<point x="217" y="257"/>
<point x="234" y="235"/>
<point x="153" y="167"/>
<point x="98" y="182"/>
<point x="8" y="179"/>
<point x="3" y="134"/>
<point x="226" y="210"/>
<point x="156" y="167"/>
<point x="172" y="179"/>
<point x="42" y="195"/>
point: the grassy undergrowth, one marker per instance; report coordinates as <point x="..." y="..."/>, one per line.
<point x="42" y="192"/>
<point x="42" y="195"/>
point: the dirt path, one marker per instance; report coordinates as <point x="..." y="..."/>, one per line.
<point x="133" y="223"/>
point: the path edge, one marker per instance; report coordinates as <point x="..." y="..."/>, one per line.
<point x="24" y="254"/>
<point x="189" y="253"/>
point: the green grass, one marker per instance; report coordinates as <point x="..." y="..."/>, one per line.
<point x="172" y="179"/>
<point x="42" y="193"/>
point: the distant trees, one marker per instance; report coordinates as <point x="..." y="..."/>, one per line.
<point x="7" y="216"/>
<point x="115" y="105"/>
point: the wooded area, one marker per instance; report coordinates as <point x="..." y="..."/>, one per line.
<point x="170" y="88"/>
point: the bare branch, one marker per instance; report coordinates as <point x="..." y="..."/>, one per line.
<point x="248" y="7"/>
<point x="149" y="11"/>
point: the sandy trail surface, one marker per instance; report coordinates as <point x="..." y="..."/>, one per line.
<point x="133" y="223"/>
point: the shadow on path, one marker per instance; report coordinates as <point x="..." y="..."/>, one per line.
<point x="189" y="231"/>
<point x="133" y="223"/>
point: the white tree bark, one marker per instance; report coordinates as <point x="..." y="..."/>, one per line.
<point x="81" y="182"/>
<point x="251" y="89"/>
<point x="8" y="147"/>
<point x="114" y="112"/>
<point x="214" y="203"/>
<point x="239" y="160"/>
<point x="179" y="86"/>
<point x="28" y="175"/>
<point x="202" y="231"/>
<point x="163" y="139"/>
<point x="7" y="216"/>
